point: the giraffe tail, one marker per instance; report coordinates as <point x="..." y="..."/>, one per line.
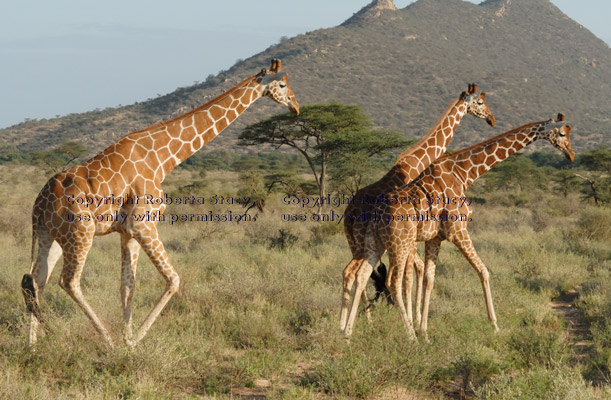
<point x="378" y="277"/>
<point x="28" y="287"/>
<point x="34" y="242"/>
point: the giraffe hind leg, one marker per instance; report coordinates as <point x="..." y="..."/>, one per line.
<point x="34" y="282"/>
<point x="419" y="268"/>
<point x="431" y="253"/>
<point x="70" y="282"/>
<point x="349" y="276"/>
<point x="394" y="282"/>
<point x="75" y="253"/>
<point x="130" y="249"/>
<point x="362" y="275"/>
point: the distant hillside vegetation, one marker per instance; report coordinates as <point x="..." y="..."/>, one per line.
<point x="403" y="66"/>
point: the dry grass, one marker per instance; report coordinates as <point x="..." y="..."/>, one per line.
<point x="246" y="311"/>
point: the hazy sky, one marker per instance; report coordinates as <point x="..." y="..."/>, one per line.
<point x="69" y="56"/>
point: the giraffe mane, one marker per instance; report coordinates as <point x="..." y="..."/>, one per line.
<point x="488" y="141"/>
<point x="425" y="137"/>
<point x="195" y="110"/>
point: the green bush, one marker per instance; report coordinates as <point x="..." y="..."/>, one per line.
<point x="541" y="383"/>
<point x="283" y="240"/>
<point x="536" y="346"/>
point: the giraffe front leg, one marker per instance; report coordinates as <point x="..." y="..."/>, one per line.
<point x="464" y="243"/>
<point x="154" y="249"/>
<point x="130" y="249"/>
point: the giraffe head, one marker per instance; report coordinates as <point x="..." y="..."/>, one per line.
<point x="558" y="133"/>
<point x="277" y="86"/>
<point x="476" y="105"/>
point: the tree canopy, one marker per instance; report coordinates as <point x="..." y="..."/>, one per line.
<point x="324" y="134"/>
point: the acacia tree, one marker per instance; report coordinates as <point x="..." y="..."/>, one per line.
<point x="322" y="133"/>
<point x="597" y="180"/>
<point x="517" y="171"/>
<point x="566" y="181"/>
<point x="59" y="158"/>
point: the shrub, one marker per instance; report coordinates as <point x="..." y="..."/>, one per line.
<point x="283" y="240"/>
<point x="323" y="230"/>
<point x="560" y="382"/>
<point x="535" y="346"/>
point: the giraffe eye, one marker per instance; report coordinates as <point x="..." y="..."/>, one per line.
<point x="282" y="85"/>
<point x="561" y="134"/>
<point x="480" y="102"/>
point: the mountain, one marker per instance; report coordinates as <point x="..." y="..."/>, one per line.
<point x="403" y="66"/>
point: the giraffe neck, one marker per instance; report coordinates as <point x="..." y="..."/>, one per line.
<point x="178" y="139"/>
<point x="470" y="163"/>
<point x="418" y="157"/>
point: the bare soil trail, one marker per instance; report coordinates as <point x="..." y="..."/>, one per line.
<point x="578" y="328"/>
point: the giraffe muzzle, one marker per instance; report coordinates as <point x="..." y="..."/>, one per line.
<point x="490" y="120"/>
<point x="294" y="107"/>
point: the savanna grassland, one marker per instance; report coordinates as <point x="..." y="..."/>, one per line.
<point x="257" y="312"/>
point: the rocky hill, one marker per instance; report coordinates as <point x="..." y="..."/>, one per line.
<point x="403" y="66"/>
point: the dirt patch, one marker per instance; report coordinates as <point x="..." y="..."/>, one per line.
<point x="250" y="393"/>
<point x="263" y="389"/>
<point x="578" y="329"/>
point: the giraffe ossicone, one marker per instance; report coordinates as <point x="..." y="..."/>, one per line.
<point x="132" y="167"/>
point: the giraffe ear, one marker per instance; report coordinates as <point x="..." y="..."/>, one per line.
<point x="482" y="96"/>
<point x="560" y="117"/>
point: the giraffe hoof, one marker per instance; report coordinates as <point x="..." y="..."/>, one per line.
<point x="109" y="341"/>
<point x="424" y="336"/>
<point x="347" y="335"/>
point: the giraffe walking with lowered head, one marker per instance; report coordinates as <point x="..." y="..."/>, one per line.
<point x="434" y="208"/>
<point x="408" y="166"/>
